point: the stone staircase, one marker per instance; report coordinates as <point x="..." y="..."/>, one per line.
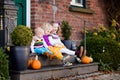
<point x="54" y="70"/>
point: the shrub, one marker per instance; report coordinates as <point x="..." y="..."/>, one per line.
<point x="66" y="30"/>
<point x="104" y="49"/>
<point x="21" y="36"/>
<point x="4" y="71"/>
<point x="103" y="43"/>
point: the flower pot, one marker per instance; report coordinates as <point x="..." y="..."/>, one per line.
<point x="67" y="43"/>
<point x="74" y="47"/>
<point x="19" y="57"/>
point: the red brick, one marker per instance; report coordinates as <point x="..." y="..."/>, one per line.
<point x="40" y="12"/>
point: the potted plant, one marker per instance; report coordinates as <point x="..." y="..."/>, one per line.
<point x="21" y="38"/>
<point x="66" y="33"/>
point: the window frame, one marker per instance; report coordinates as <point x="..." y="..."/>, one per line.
<point x="82" y="4"/>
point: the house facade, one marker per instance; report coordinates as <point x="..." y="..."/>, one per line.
<point x="73" y="11"/>
<point x="33" y="13"/>
<point x="79" y="14"/>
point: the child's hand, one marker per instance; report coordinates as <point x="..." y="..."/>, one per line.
<point x="33" y="53"/>
<point x="60" y="45"/>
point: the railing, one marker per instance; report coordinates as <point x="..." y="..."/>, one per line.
<point x="1" y="27"/>
<point x="1" y="19"/>
<point x="1" y="22"/>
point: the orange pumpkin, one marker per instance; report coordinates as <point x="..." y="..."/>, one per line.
<point x="86" y="60"/>
<point x="36" y="63"/>
<point x="30" y="63"/>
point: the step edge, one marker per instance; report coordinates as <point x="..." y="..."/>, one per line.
<point x="53" y="68"/>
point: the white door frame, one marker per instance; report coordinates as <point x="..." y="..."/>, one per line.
<point x="28" y="13"/>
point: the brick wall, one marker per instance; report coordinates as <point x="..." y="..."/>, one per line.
<point x="42" y="12"/>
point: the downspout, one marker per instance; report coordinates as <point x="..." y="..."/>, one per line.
<point x="54" y="10"/>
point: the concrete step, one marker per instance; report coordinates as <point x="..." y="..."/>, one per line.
<point x="94" y="76"/>
<point x="53" y="72"/>
<point x="88" y="76"/>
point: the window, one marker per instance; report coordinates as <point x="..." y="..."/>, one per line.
<point x="80" y="3"/>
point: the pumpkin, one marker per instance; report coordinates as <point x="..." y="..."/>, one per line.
<point x="86" y="59"/>
<point x="36" y="64"/>
<point x="91" y="59"/>
<point x="30" y="63"/>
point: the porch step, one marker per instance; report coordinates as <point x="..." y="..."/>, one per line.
<point x="53" y="72"/>
<point x="89" y="76"/>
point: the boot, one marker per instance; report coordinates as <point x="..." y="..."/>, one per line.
<point x="79" y="53"/>
<point x="84" y="53"/>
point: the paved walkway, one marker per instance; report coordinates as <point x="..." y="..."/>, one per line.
<point x="112" y="76"/>
<point x="95" y="76"/>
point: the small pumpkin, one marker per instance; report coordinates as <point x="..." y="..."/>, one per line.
<point x="86" y="60"/>
<point x="91" y="59"/>
<point x="36" y="64"/>
<point x="30" y="62"/>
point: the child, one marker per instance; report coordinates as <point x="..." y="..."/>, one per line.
<point x="37" y="44"/>
<point x="56" y="50"/>
<point x="57" y="42"/>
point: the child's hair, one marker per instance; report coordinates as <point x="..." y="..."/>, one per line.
<point x="38" y="29"/>
<point x="59" y="30"/>
<point x="46" y="26"/>
<point x="55" y="25"/>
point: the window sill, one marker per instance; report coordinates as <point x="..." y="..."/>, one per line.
<point x="80" y="9"/>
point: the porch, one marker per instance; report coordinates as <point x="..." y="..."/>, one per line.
<point x="51" y="70"/>
<point x="55" y="72"/>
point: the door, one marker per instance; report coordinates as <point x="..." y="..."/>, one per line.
<point x="21" y="17"/>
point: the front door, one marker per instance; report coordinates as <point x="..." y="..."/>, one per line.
<point x="21" y="17"/>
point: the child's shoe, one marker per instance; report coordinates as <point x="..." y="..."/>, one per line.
<point x="67" y="64"/>
<point x="78" y="59"/>
<point x="65" y="58"/>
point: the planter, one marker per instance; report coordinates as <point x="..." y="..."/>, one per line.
<point x="67" y="43"/>
<point x="19" y="57"/>
<point x="74" y="46"/>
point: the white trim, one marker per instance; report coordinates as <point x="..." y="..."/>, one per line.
<point x="28" y="18"/>
<point x="76" y="4"/>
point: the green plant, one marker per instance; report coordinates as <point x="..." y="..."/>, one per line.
<point x="21" y="36"/>
<point x="103" y="43"/>
<point x="66" y="30"/>
<point x="104" y="49"/>
<point x="104" y="66"/>
<point x="4" y="71"/>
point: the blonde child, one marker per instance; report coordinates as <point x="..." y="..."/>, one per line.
<point x="56" y="50"/>
<point x="56" y="42"/>
<point x="38" y="43"/>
